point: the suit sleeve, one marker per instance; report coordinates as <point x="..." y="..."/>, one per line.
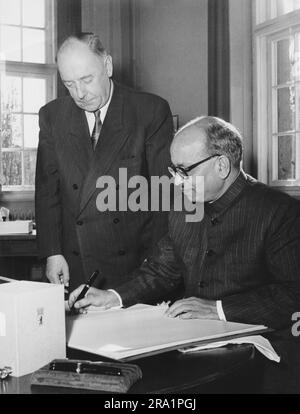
<point x="47" y="194"/>
<point x="158" y="141"/>
<point x="273" y="304"/>
<point x="159" y="277"/>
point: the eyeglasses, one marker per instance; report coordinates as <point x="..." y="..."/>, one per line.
<point x="183" y="172"/>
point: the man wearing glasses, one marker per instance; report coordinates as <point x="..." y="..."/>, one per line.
<point x="241" y="261"/>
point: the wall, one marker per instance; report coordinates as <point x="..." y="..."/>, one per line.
<point x="112" y="21"/>
<point x="171" y="53"/>
<point x="163" y="45"/>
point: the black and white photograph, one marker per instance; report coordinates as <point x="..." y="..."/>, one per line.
<point x="150" y="199"/>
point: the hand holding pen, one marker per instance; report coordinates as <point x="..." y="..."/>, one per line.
<point x="84" y="289"/>
<point x="85" y="295"/>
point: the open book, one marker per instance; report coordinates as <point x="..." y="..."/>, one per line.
<point x="141" y="330"/>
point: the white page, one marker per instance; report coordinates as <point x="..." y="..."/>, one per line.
<point x="124" y="333"/>
<point x="261" y="344"/>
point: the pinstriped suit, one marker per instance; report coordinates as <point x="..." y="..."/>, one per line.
<point x="136" y="135"/>
<point x="246" y="252"/>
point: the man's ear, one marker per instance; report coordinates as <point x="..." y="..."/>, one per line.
<point x="224" y="167"/>
<point x="108" y="65"/>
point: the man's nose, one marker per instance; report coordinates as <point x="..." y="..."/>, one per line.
<point x="80" y="91"/>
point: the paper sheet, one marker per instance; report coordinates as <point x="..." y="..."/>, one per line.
<point x="143" y="329"/>
<point x="260" y="343"/>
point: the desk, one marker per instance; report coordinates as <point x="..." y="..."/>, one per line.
<point x="18" y="256"/>
<point x="20" y="245"/>
<point x="223" y="370"/>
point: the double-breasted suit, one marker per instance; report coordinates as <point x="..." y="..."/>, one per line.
<point x="136" y="135"/>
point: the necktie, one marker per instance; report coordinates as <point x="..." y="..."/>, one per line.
<point x="96" y="129"/>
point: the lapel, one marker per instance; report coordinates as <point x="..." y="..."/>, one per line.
<point x="77" y="144"/>
<point x="113" y="136"/>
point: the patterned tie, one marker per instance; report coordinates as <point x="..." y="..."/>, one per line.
<point x="96" y="129"/>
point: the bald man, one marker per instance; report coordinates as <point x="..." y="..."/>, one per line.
<point x="241" y="262"/>
<point x="100" y="129"/>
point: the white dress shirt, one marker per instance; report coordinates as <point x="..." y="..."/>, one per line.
<point x="90" y="115"/>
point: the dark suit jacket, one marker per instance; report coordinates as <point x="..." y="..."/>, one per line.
<point x="245" y="252"/>
<point x="136" y="135"/>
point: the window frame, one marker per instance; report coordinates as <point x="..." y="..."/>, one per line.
<point x="263" y="34"/>
<point x="46" y="70"/>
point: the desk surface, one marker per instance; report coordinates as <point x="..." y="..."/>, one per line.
<point x="222" y="370"/>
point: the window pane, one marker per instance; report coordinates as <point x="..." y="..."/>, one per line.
<point x="296" y="63"/>
<point x="284" y="66"/>
<point x="298" y="107"/>
<point x="10" y="43"/>
<point x="286" y="109"/>
<point x="11" y="131"/>
<point x="10" y="11"/>
<point x="11" y="168"/>
<point x="34" y="13"/>
<point x="31" y="131"/>
<point x="34" y="94"/>
<point x="285" y="6"/>
<point x="29" y="167"/>
<point x="286" y="157"/>
<point x="11" y="95"/>
<point x="33" y="45"/>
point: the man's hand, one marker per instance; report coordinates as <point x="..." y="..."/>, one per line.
<point x="57" y="270"/>
<point x="95" y="297"/>
<point x="193" y="308"/>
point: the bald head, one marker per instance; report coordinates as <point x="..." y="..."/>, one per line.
<point x="91" y="40"/>
<point x="188" y="146"/>
<point x="214" y="136"/>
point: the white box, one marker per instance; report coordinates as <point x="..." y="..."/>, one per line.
<point x="16" y="227"/>
<point x="32" y="325"/>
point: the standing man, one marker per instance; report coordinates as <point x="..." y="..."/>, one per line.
<point x="100" y="128"/>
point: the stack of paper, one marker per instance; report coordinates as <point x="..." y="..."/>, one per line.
<point x="16" y="227"/>
<point x="260" y="343"/>
<point x="141" y="330"/>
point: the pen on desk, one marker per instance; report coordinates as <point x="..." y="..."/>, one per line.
<point x="86" y="287"/>
<point x="85" y="368"/>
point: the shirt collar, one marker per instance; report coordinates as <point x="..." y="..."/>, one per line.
<point x="104" y="108"/>
<point x="218" y="206"/>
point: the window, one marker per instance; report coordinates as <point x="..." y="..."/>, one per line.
<point x="27" y="82"/>
<point x="277" y="92"/>
<point x="270" y="9"/>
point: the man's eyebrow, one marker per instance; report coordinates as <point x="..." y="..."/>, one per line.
<point x="82" y="78"/>
<point x="85" y="77"/>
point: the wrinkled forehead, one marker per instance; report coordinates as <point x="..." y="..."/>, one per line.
<point x="77" y="60"/>
<point x="188" y="145"/>
<point x="76" y="52"/>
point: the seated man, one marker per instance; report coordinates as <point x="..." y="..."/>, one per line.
<point x="241" y="261"/>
